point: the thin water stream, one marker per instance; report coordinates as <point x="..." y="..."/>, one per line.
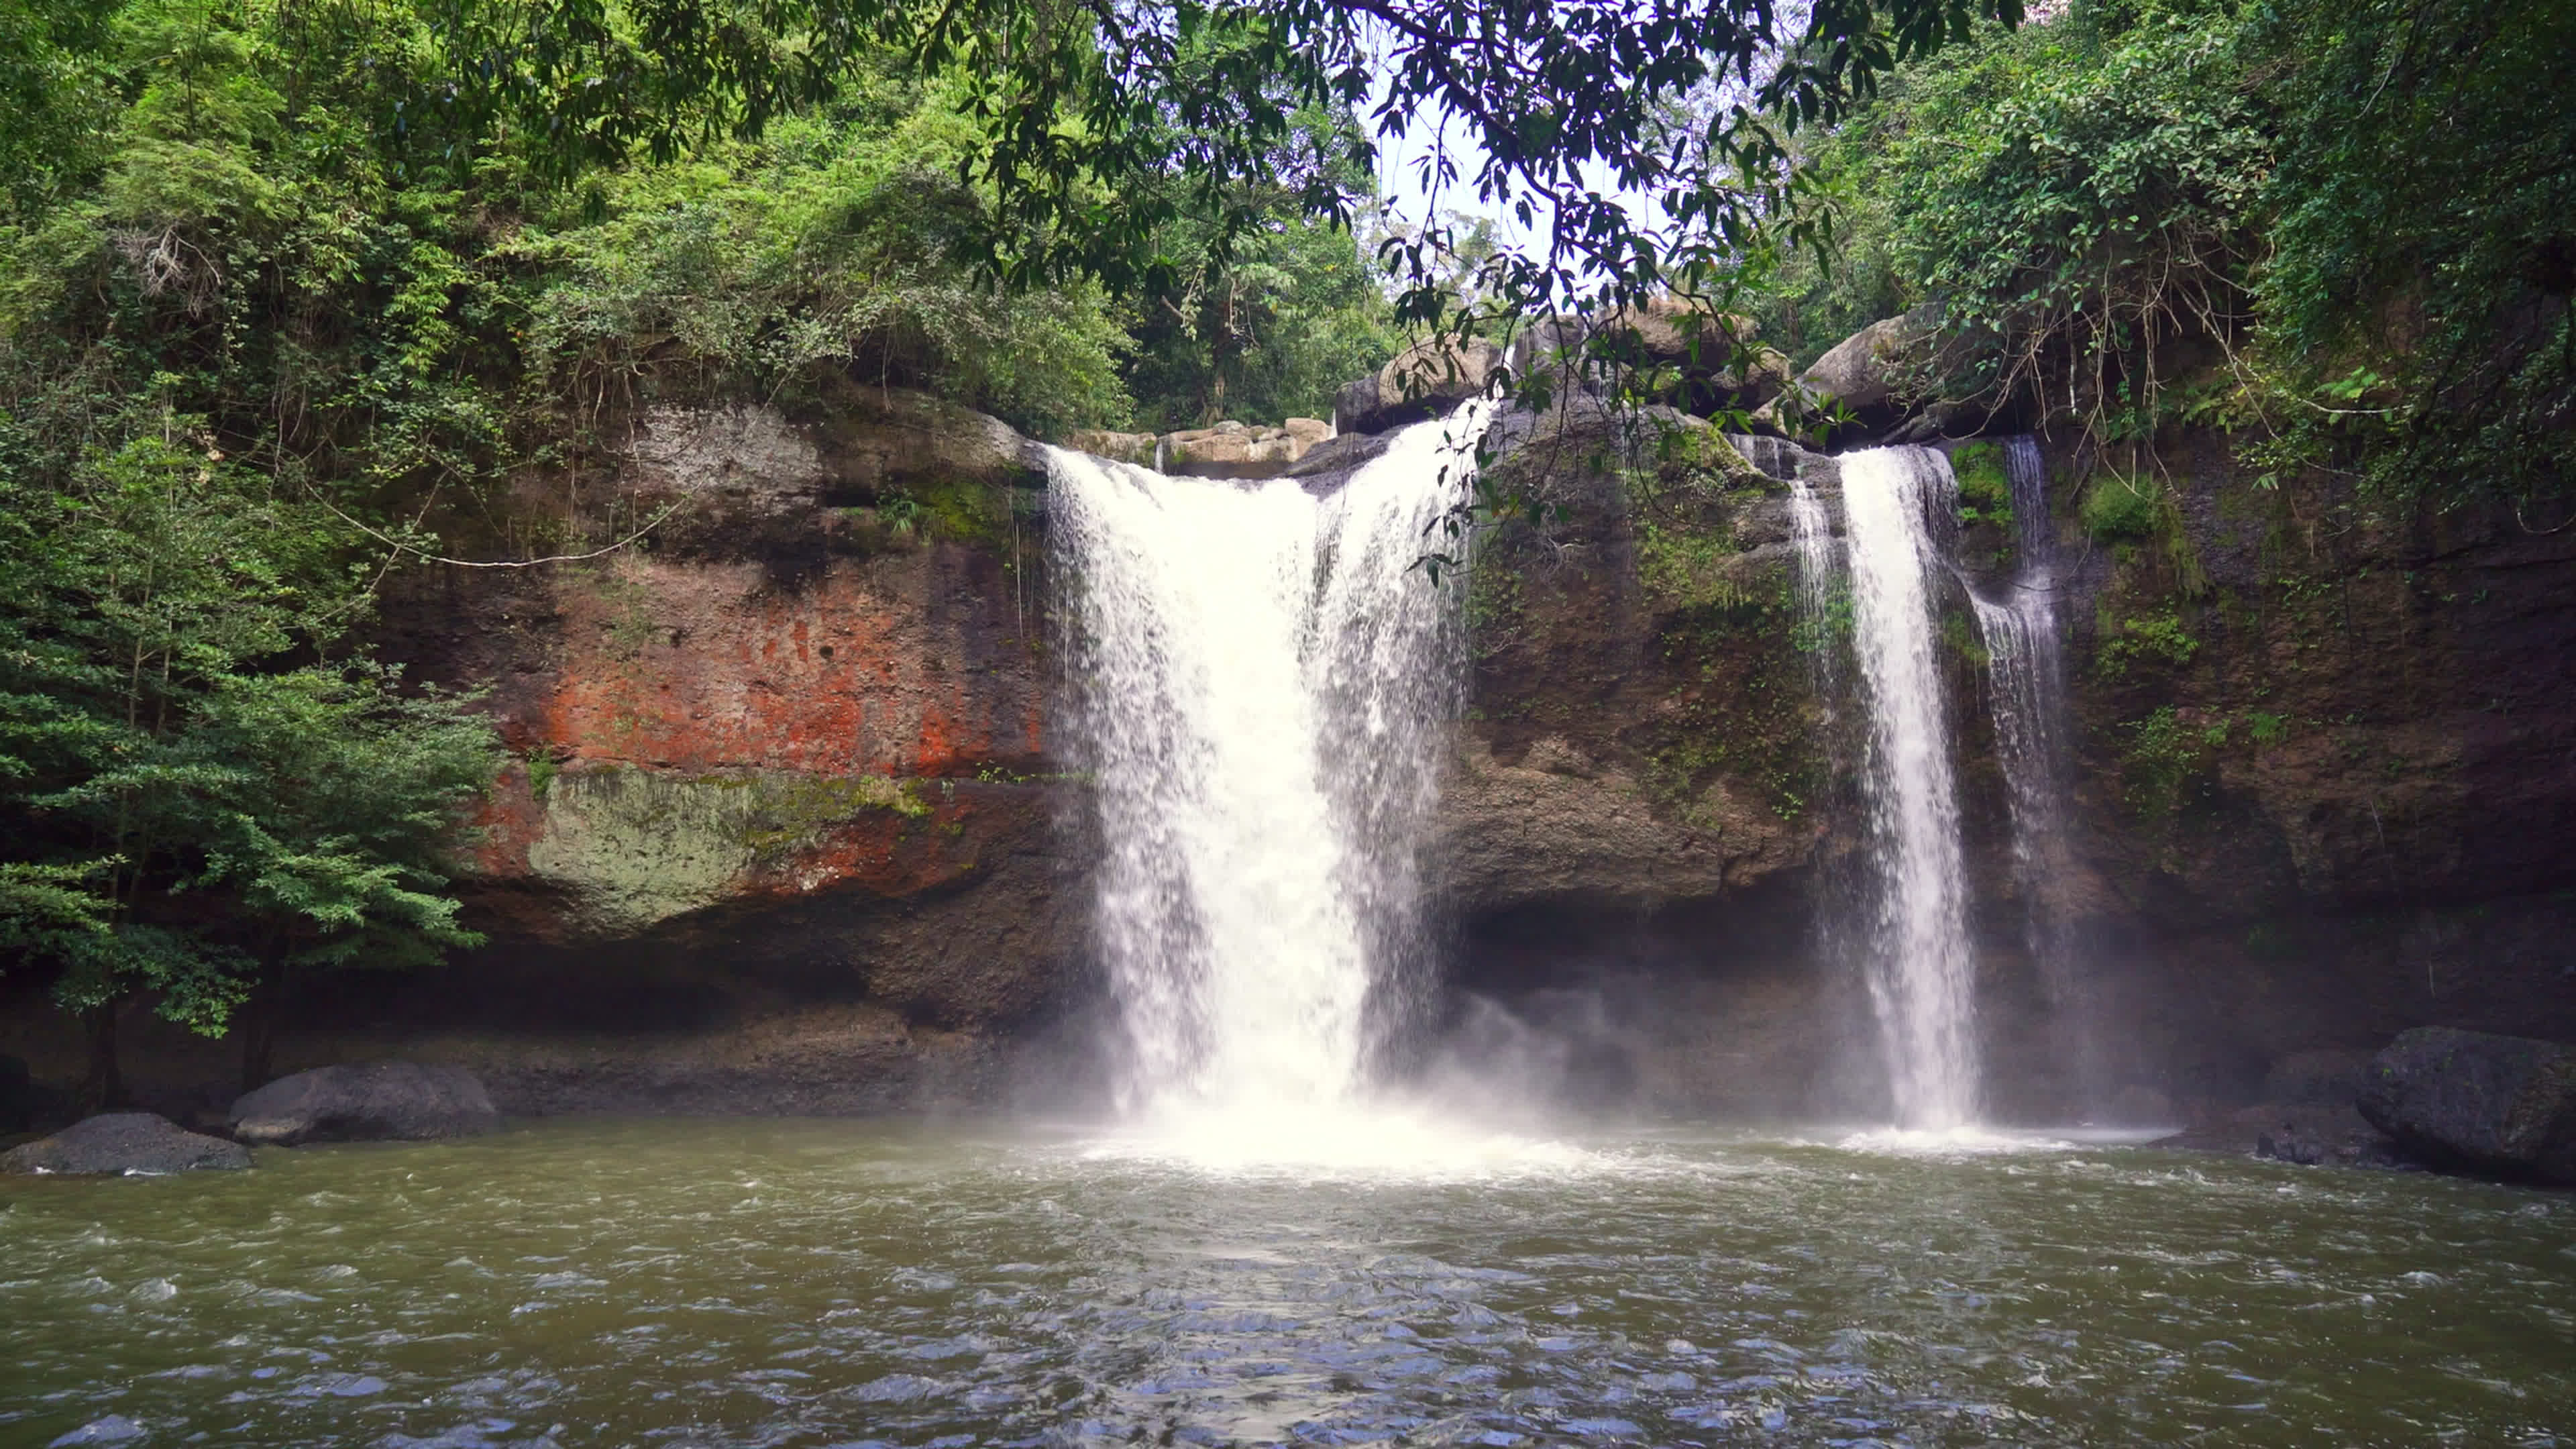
<point x="802" y="1283"/>
<point x="2026" y="673"/>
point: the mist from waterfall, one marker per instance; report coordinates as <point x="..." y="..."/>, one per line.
<point x="1259" y="683"/>
<point x="1921" y="973"/>
<point x="2026" y="673"/>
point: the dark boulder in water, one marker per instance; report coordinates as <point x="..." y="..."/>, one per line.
<point x="2495" y="1104"/>
<point x="375" y="1102"/>
<point x="123" y="1142"/>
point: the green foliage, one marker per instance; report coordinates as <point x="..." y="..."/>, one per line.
<point x="2118" y="509"/>
<point x="2342" y="227"/>
<point x="1827" y="630"/>
<point x="2077" y="196"/>
<point x="2421" y="299"/>
<point x="2154" y="639"/>
<point x="1096" y="130"/>
<point x="1263" y="323"/>
<point x="1685" y="568"/>
<point x="2103" y="209"/>
<point x="333" y="806"/>
<point x="1738" y="708"/>
<point x="1493" y="608"/>
<point x="195" y="806"/>
<point x="1985" y="488"/>
<point x="2164" y="764"/>
<point x="840" y="242"/>
<point x="1684" y="497"/>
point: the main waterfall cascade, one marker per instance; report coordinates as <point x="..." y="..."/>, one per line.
<point x="1260" y="683"/>
<point x="1920" y="971"/>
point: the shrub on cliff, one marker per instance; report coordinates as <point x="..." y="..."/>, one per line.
<point x="2341" y="227"/>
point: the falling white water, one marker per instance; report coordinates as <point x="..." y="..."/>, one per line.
<point x="1811" y="531"/>
<point x="1259" y="681"/>
<point x="1921" y="976"/>
<point x="2027" y="676"/>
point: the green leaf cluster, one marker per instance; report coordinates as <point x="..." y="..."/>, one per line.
<point x="2341" y="227"/>
<point x="202" y="798"/>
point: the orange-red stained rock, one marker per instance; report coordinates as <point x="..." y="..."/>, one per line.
<point x="894" y="666"/>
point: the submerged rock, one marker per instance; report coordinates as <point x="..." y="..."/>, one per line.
<point x="2498" y="1104"/>
<point x="123" y="1142"/>
<point x="374" y="1102"/>
<point x="2291" y="1145"/>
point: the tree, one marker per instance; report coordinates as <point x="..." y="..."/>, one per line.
<point x="1102" y="125"/>
<point x="197" y="812"/>
<point x="2341" y="229"/>
<point x="329" y="825"/>
<point x="1264" y="323"/>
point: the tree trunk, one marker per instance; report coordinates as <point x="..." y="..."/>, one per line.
<point x="104" y="1089"/>
<point x="258" y="1025"/>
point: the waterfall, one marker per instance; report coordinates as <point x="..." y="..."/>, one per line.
<point x="1921" y="974"/>
<point x="2027" y="694"/>
<point x="2028" y="674"/>
<point x="1259" y="683"/>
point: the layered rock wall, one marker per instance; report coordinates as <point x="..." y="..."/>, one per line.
<point x="783" y="833"/>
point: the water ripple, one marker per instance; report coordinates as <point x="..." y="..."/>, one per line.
<point x="905" y="1287"/>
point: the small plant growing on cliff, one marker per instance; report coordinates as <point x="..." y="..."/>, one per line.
<point x="900" y="514"/>
<point x="1985" y="489"/>
<point x="1962" y="639"/>
<point x="542" y="769"/>
<point x="2122" y="510"/>
<point x="2165" y="756"/>
<point x="2153" y="639"/>
<point x="1826" y="630"/>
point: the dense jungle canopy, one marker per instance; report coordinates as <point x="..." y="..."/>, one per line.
<point x="289" y="289"/>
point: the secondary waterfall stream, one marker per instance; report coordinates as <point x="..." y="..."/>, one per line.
<point x="1921" y="976"/>
<point x="2026" y="671"/>
<point x="1259" y="680"/>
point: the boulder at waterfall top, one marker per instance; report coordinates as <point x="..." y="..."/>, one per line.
<point x="1223" y="450"/>
<point x="117" y="1143"/>
<point x="1239" y="450"/>
<point x="2496" y="1104"/>
<point x="1691" y="348"/>
<point x="1874" y="377"/>
<point x="376" y="1102"/>
<point x="1425" y="380"/>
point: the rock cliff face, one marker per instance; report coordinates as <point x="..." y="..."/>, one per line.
<point x="2322" y="784"/>
<point x="784" y="833"/>
<point x="2328" y="764"/>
